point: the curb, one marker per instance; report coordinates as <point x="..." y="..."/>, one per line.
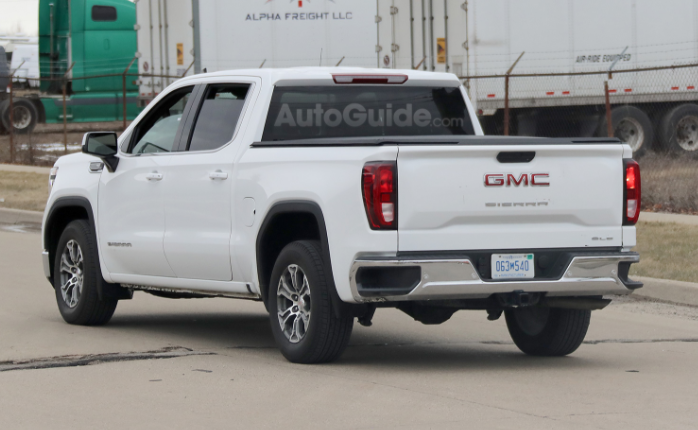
<point x="27" y="169"/>
<point x="679" y="292"/>
<point x="18" y="216"/>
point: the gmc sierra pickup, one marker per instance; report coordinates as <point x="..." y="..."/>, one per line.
<point x="327" y="193"/>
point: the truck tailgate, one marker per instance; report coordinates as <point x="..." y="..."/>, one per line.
<point x="445" y="204"/>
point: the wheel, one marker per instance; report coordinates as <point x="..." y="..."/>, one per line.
<point x="25" y="116"/>
<point x="3" y="107"/>
<point x="678" y="131"/>
<point x="305" y="327"/>
<point x="547" y="331"/>
<point x="630" y="125"/>
<point x="77" y="277"/>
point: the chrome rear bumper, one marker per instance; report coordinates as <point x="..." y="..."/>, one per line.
<point x="591" y="275"/>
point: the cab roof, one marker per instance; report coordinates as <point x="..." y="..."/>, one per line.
<point x="324" y="74"/>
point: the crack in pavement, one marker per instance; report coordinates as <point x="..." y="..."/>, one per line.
<point x="177" y="351"/>
<point x="86" y="360"/>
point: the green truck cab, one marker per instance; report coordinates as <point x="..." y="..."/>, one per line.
<point x="98" y="39"/>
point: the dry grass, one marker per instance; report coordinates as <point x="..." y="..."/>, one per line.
<point x="669" y="184"/>
<point x="667" y="251"/>
<point x="21" y="190"/>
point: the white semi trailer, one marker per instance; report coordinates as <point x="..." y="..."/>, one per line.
<point x="651" y="110"/>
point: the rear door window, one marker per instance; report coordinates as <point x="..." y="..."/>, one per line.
<point x="218" y="116"/>
<point x="314" y="112"/>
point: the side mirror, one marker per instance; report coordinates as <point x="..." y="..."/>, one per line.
<point x="102" y="144"/>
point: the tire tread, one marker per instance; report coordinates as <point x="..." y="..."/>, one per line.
<point x="563" y="334"/>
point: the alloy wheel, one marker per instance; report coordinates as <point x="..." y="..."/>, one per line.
<point x="293" y="303"/>
<point x="71" y="273"/>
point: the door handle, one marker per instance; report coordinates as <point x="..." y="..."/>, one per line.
<point x="218" y="174"/>
<point x="154" y="176"/>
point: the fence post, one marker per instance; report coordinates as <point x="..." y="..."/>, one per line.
<point x="506" y="94"/>
<point x="123" y="82"/>
<point x="12" y="124"/>
<point x="12" y="115"/>
<point x="65" y="120"/>
<point x="609" y="118"/>
<point x="609" y="124"/>
<point x="65" y="110"/>
<point x="506" y="105"/>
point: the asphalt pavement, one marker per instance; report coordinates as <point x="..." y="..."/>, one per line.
<point x="211" y="363"/>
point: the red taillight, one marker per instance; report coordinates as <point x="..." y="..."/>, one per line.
<point x="379" y="187"/>
<point x="631" y="208"/>
<point x="369" y="79"/>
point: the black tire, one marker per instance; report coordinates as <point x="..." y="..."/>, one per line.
<point x="326" y="336"/>
<point x="29" y="116"/>
<point x="678" y="130"/>
<point x="3" y="107"/>
<point x="87" y="309"/>
<point x="631" y="125"/>
<point x="547" y="331"/>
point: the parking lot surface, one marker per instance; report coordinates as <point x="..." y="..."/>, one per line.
<point x="211" y="363"/>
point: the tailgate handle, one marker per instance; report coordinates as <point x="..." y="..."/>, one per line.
<point x="516" y="157"/>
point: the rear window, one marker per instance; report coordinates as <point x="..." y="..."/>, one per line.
<point x="365" y="111"/>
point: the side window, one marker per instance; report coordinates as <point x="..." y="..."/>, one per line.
<point x="218" y="116"/>
<point x="103" y="13"/>
<point x="159" y="130"/>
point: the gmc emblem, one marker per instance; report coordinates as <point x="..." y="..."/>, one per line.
<point x="508" y="179"/>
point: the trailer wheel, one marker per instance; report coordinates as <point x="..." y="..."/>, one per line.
<point x="3" y="106"/>
<point x="678" y="131"/>
<point x="631" y="125"/>
<point x="25" y="116"/>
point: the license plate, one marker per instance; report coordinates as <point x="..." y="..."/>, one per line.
<point x="512" y="266"/>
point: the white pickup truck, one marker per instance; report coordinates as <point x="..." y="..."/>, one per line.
<point x="326" y="193"/>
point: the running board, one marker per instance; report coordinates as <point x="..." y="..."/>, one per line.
<point x="184" y="293"/>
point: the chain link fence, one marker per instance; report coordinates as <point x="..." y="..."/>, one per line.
<point x="51" y="123"/>
<point x="654" y="110"/>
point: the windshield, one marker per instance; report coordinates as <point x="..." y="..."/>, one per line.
<point x="365" y="111"/>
